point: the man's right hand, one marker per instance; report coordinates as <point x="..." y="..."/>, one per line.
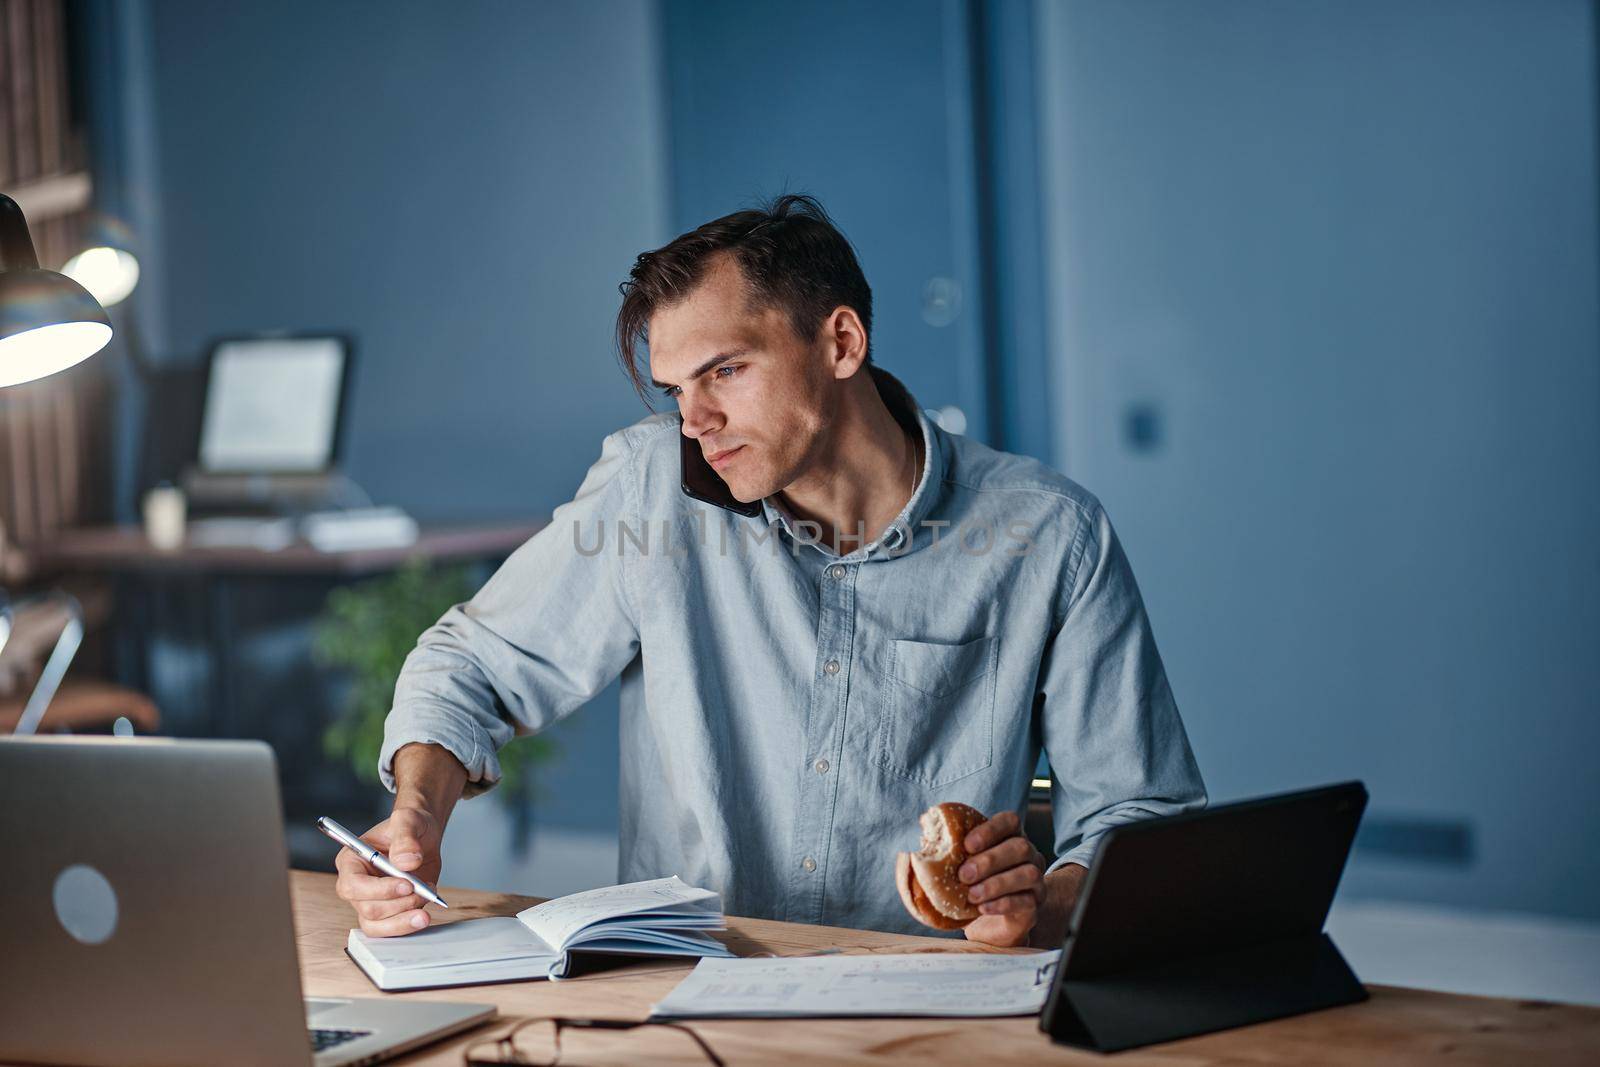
<point x="388" y="906"/>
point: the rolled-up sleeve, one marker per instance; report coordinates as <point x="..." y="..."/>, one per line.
<point x="551" y="628"/>
<point x="1110" y="727"/>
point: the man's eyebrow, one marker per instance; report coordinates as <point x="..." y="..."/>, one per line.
<point x="707" y="365"/>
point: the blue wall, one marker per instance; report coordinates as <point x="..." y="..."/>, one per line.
<point x="462" y="186"/>
<point x="1345" y="254"/>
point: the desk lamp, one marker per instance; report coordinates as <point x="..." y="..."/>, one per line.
<point x="48" y="322"/>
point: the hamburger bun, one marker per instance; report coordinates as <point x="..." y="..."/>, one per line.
<point x="929" y="880"/>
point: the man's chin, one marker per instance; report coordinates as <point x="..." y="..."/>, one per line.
<point x="747" y="490"/>
<point x="746" y="494"/>
<point x="746" y="483"/>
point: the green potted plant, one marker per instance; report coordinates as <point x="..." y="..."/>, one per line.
<point x="367" y="629"/>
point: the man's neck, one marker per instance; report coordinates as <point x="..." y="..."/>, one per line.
<point x="863" y="475"/>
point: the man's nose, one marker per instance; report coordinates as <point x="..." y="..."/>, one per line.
<point x="699" y="417"/>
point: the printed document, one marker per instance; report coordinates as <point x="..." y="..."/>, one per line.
<point x="943" y="984"/>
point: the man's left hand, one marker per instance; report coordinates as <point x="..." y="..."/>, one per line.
<point x="1004" y="875"/>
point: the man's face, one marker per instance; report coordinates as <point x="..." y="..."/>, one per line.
<point x="755" y="396"/>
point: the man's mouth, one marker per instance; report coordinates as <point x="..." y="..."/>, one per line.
<point x="718" y="460"/>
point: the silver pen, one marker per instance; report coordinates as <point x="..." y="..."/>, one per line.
<point x="376" y="858"/>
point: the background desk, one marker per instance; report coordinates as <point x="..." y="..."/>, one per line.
<point x="204" y="585"/>
<point x="221" y="638"/>
<point x="1397" y="1026"/>
<point x="125" y="549"/>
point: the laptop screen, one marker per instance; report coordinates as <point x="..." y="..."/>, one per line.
<point x="272" y="404"/>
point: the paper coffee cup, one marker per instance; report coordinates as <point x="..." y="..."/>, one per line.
<point x="164" y="514"/>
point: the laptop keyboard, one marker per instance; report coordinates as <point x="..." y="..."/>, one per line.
<point x="322" y="1040"/>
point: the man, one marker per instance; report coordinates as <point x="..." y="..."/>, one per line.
<point x="861" y="616"/>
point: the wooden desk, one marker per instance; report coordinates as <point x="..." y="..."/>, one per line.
<point x="104" y="549"/>
<point x="1397" y="1026"/>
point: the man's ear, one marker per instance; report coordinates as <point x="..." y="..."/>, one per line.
<point x="847" y="341"/>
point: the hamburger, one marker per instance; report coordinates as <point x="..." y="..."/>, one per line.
<point x="929" y="883"/>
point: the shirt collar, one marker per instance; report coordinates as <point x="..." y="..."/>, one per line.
<point x="899" y="537"/>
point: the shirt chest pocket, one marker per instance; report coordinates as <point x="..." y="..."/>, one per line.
<point x="938" y="710"/>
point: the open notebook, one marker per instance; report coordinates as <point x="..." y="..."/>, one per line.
<point x="663" y="917"/>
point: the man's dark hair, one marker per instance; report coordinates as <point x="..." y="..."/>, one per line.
<point x="791" y="254"/>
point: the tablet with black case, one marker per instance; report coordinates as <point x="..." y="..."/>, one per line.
<point x="1207" y="920"/>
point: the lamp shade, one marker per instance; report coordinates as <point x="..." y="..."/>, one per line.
<point x="48" y="322"/>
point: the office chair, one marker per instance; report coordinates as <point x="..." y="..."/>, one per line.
<point x="39" y="636"/>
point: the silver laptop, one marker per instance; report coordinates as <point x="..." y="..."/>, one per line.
<point x="144" y="895"/>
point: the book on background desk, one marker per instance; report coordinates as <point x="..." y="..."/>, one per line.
<point x="664" y="917"/>
<point x="241" y="531"/>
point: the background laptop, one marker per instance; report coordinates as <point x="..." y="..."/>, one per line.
<point x="272" y="424"/>
<point x="146" y="897"/>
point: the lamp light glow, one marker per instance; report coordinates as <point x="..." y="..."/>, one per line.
<point x="109" y="274"/>
<point x="47" y="349"/>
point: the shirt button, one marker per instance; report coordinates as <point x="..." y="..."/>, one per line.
<point x="831" y="667"/>
<point x="821" y="765"/>
<point x="836" y="571"/>
<point x="809" y="864"/>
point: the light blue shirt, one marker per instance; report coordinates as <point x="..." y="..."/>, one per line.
<point x="788" y="712"/>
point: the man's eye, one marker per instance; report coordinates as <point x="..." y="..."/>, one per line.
<point x="670" y="392"/>
<point x="728" y="368"/>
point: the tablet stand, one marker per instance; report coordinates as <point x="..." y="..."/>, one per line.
<point x="1170" y="999"/>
